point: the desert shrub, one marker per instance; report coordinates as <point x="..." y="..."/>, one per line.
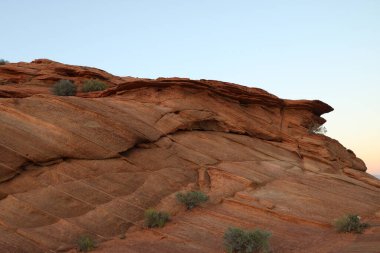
<point x="155" y="219"/>
<point x="64" y="88"/>
<point x="350" y="224"/>
<point x="317" y="129"/>
<point x="237" y="240"/>
<point x="93" y="85"/>
<point x="192" y="199"/>
<point x="86" y="243"/>
<point x="3" y="62"/>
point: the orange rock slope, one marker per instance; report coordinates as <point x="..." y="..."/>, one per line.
<point x="92" y="163"/>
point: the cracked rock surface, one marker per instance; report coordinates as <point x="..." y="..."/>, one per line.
<point x="92" y="163"/>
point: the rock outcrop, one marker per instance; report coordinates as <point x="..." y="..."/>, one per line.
<point x="92" y="163"/>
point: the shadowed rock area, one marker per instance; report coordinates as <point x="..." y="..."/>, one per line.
<point x="92" y="163"/>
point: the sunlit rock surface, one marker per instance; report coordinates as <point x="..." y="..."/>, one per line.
<point x="91" y="164"/>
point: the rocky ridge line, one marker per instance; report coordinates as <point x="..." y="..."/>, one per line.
<point x="93" y="163"/>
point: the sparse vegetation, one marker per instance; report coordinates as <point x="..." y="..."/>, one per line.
<point x="318" y="129"/>
<point x="155" y="219"/>
<point x="93" y="85"/>
<point x="192" y="199"/>
<point x="350" y="224"/>
<point x="64" y="88"/>
<point x="237" y="240"/>
<point x="3" y="62"/>
<point x="86" y="243"/>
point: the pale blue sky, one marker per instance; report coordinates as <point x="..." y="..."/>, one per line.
<point x="325" y="49"/>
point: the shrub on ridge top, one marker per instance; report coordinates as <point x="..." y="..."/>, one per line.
<point x="3" y="62"/>
<point x="93" y="85"/>
<point x="64" y="88"/>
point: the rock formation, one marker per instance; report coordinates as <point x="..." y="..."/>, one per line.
<point x="92" y="163"/>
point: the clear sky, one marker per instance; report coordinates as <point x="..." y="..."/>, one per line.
<point x="316" y="49"/>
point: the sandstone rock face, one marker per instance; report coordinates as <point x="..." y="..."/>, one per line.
<point x="91" y="164"/>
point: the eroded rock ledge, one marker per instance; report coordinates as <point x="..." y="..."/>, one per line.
<point x="93" y="163"/>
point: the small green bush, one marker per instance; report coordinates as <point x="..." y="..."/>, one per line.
<point x="3" y="62"/>
<point x="350" y="224"/>
<point x="93" y="85"/>
<point x="155" y="219"/>
<point x="192" y="199"/>
<point x="86" y="243"/>
<point x="64" y="88"/>
<point x="317" y="129"/>
<point x="237" y="240"/>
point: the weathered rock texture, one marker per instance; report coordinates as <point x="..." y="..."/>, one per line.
<point x="92" y="164"/>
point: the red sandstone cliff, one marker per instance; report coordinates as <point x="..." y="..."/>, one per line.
<point x="94" y="162"/>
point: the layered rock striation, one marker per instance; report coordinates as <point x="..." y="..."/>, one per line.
<point x="92" y="163"/>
